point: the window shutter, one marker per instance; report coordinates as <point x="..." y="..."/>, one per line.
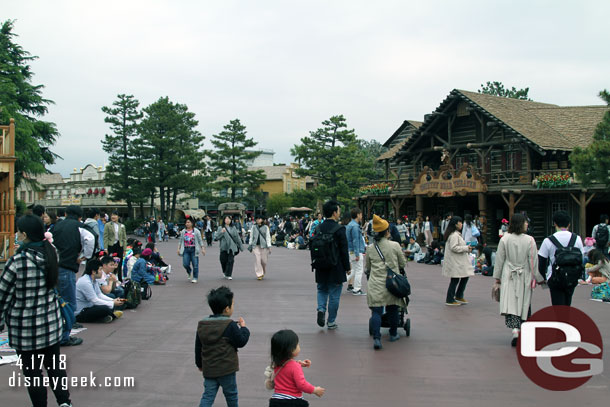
<point x="503" y="155"/>
<point x="518" y="161"/>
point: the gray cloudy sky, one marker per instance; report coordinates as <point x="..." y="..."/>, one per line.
<point x="282" y="67"/>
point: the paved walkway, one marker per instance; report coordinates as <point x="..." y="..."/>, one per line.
<point x="455" y="356"/>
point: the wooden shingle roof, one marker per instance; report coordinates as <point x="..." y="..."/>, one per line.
<point x="394" y="149"/>
<point x="544" y="126"/>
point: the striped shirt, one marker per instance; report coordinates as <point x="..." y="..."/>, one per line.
<point x="27" y="306"/>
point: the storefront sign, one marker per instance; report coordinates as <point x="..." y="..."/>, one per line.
<point x="441" y="186"/>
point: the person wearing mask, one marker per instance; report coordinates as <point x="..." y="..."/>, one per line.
<point x="29" y="306"/>
<point x="230" y="245"/>
<point x="379" y="298"/>
<point x="74" y="245"/>
<point x="260" y="245"/>
<point x="456" y="264"/>
<point x="516" y="272"/>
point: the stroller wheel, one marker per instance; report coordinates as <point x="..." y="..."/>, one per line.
<point x="408" y="327"/>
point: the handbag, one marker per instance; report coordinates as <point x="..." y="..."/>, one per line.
<point x="495" y="292"/>
<point x="270" y="377"/>
<point x="397" y="284"/>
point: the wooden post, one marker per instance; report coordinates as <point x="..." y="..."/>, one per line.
<point x="419" y="206"/>
<point x="483" y="212"/>
<point x="511" y="205"/>
<point x="582" y="206"/>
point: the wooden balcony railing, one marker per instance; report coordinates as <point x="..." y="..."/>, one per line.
<point x="7" y="190"/>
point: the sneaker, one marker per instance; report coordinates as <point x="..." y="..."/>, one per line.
<point x="320" y="319"/>
<point x="107" y="319"/>
<point x="194" y="281"/>
<point x="118" y="314"/>
<point x="332" y="325"/>
<point x="515" y="338"/>
<point x="376" y="344"/>
<point x="394" y="338"/>
<point x="65" y="405"/>
<point x="72" y="342"/>
<point x="190" y="278"/>
<point x="259" y="278"/>
<point x="229" y="278"/>
<point x="350" y="287"/>
<point x="77" y="325"/>
<point x="461" y="300"/>
<point x="359" y="292"/>
<point x="453" y="304"/>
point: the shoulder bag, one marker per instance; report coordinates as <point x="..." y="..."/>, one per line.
<point x="397" y="284"/>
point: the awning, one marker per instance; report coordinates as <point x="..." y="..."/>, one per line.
<point x="301" y="209"/>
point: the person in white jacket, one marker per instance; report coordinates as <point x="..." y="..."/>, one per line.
<point x="92" y="305"/>
<point x="260" y="246"/>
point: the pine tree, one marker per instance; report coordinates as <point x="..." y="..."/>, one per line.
<point x="591" y="164"/>
<point x="123" y="119"/>
<point x="497" y="89"/>
<point x="172" y="152"/>
<point x="228" y="161"/>
<point x="23" y="101"/>
<point x="333" y="156"/>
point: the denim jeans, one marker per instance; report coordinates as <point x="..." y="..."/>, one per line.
<point x="329" y="293"/>
<point x="375" y="322"/>
<point x="190" y="257"/>
<point x="67" y="289"/>
<point x="211" y="385"/>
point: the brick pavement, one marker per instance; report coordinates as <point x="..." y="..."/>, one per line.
<point x="455" y="356"/>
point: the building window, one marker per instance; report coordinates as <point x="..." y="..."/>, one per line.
<point x="23" y="196"/>
<point x="288" y="187"/>
<point x="30" y="196"/>
<point x="459" y="161"/>
<point x="239" y="192"/>
<point x="223" y="193"/>
<point x="557" y="206"/>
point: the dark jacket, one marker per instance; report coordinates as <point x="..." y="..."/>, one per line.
<point x="216" y="343"/>
<point x="66" y="238"/>
<point x="337" y="275"/>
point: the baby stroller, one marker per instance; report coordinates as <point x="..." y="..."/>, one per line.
<point x="403" y="321"/>
<point x="279" y="238"/>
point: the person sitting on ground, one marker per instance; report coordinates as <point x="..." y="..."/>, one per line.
<point x="109" y="282"/>
<point x="157" y="260"/>
<point x="412" y="248"/>
<point x="91" y="304"/>
<point x="589" y="245"/>
<point x="435" y="253"/>
<point x="600" y="272"/>
<point x="129" y="260"/>
<point x="140" y="272"/>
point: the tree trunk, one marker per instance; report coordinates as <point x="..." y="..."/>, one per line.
<point x="174" y="198"/>
<point x="141" y="209"/>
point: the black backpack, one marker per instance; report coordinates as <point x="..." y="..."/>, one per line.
<point x="133" y="295"/>
<point x="324" y="249"/>
<point x="568" y="267"/>
<point x="145" y="290"/>
<point x="601" y="235"/>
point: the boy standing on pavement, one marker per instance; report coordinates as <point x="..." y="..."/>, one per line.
<point x="216" y="342"/>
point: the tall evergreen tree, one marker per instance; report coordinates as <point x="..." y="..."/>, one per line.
<point x="497" y="89"/>
<point x="123" y="117"/>
<point x="591" y="164"/>
<point x="333" y="156"/>
<point x="227" y="163"/>
<point x="23" y="101"/>
<point x="172" y="152"/>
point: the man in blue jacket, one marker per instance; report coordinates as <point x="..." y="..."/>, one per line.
<point x="356" y="248"/>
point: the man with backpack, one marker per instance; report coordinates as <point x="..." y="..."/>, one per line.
<point x="330" y="261"/>
<point x="601" y="234"/>
<point x="560" y="260"/>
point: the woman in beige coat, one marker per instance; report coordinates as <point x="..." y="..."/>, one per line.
<point x="456" y="263"/>
<point x="378" y="296"/>
<point x="516" y="271"/>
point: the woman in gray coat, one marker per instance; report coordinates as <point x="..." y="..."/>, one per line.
<point x="378" y="296"/>
<point x="456" y="263"/>
<point x="230" y="245"/>
<point x="516" y="271"/>
<point x="191" y="243"/>
<point x="260" y="246"/>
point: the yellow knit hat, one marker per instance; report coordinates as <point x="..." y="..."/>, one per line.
<point x="379" y="225"/>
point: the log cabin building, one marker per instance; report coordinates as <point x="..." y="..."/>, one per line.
<point x="489" y="156"/>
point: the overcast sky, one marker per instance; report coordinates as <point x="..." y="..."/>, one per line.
<point x="282" y="67"/>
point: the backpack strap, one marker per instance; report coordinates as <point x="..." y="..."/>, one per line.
<point x="572" y="242"/>
<point x="379" y="252"/>
<point x="554" y="240"/>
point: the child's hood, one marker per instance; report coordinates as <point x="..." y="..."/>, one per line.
<point x="211" y="329"/>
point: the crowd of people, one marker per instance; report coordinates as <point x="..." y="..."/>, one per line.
<point x="42" y="275"/>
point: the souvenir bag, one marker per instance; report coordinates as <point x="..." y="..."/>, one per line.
<point x="270" y="377"/>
